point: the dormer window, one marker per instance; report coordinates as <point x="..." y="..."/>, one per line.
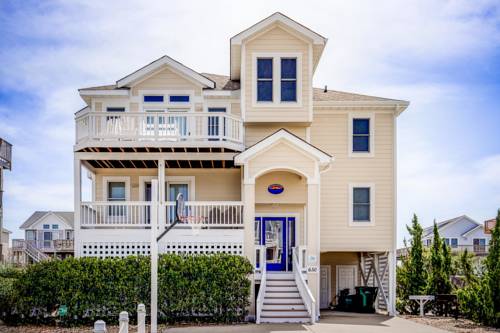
<point x="264" y="79"/>
<point x="288" y="79"/>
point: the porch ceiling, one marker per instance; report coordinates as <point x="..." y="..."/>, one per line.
<point x="153" y="164"/>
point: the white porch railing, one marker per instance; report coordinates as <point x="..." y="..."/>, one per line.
<point x="260" y="261"/>
<point x="115" y="214"/>
<point x="304" y="291"/>
<point x="137" y="214"/>
<point x="159" y="126"/>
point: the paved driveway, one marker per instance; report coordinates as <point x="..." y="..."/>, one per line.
<point x="335" y="322"/>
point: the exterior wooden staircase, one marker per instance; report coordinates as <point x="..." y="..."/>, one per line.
<point x="282" y="301"/>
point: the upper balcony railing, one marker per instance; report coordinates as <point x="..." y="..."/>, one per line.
<point x="160" y="127"/>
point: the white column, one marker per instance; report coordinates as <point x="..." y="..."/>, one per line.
<point x="162" y="215"/>
<point x="154" y="256"/>
<point x="77" y="177"/>
<point x="248" y="196"/>
<point x="391" y="261"/>
<point x="313" y="241"/>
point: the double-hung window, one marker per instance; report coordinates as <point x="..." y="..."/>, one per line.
<point x="361" y="204"/>
<point x="116" y="192"/>
<point x="361" y="135"/>
<point x="265" y="79"/>
<point x="288" y="79"/>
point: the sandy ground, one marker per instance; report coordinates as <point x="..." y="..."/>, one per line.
<point x="449" y="324"/>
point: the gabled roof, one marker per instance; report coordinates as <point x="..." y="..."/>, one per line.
<point x="7" y="231"/>
<point x="429" y="230"/>
<point x="223" y="82"/>
<point x="67" y="217"/>
<point x="121" y="86"/>
<point x="283" y="134"/>
<point x="281" y="18"/>
<point x="277" y="19"/>
<point x="165" y="61"/>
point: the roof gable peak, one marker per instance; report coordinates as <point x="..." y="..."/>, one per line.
<point x="158" y="64"/>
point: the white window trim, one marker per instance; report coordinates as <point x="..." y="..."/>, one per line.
<point x="371" y="223"/>
<point x="107" y="179"/>
<point x="217" y="104"/>
<point x="353" y="116"/>
<point x="111" y="102"/>
<point x="190" y="180"/>
<point x="166" y="105"/>
<point x="276" y="103"/>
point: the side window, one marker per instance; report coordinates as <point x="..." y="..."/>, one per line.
<point x="46" y="226"/>
<point x="55" y="226"/>
<point x="153" y="98"/>
<point x="361" y="135"/>
<point x="361" y="204"/>
<point x="115" y="109"/>
<point x="179" y="98"/>
<point x="288" y="79"/>
<point x="454" y="242"/>
<point x="264" y="79"/>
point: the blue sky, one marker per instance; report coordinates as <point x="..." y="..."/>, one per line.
<point x="443" y="56"/>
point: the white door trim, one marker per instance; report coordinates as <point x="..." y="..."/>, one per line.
<point x="329" y="287"/>
<point x="337" y="275"/>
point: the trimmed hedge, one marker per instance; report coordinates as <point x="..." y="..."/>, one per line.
<point x="191" y="288"/>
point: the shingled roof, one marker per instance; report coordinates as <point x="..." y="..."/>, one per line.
<point x="224" y="83"/>
<point x="68" y="217"/>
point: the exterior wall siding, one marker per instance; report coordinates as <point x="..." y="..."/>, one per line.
<point x="276" y="40"/>
<point x="210" y="185"/>
<point x="329" y="132"/>
<point x="165" y="80"/>
<point x="254" y="133"/>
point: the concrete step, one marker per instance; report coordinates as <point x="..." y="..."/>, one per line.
<point x="284" y="306"/>
<point x="283" y="300"/>
<point x="282" y="319"/>
<point x="282" y="288"/>
<point x="280" y="282"/>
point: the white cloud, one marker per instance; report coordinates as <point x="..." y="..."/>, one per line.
<point x="389" y="48"/>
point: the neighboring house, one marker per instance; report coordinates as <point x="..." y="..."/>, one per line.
<point x="460" y="233"/>
<point x="301" y="178"/>
<point x="4" y="240"/>
<point x="489" y="225"/>
<point x="46" y="234"/>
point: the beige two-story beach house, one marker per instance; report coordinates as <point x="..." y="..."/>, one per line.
<point x="300" y="180"/>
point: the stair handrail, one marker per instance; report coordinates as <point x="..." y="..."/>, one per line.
<point x="261" y="249"/>
<point x="35" y="253"/>
<point x="303" y="288"/>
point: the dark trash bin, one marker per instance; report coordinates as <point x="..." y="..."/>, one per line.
<point x="363" y="301"/>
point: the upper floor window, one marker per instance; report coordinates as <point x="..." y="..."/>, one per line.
<point x="288" y="79"/>
<point x="153" y="98"/>
<point x="115" y="109"/>
<point x="46" y="226"/>
<point x="179" y="98"/>
<point x="264" y="79"/>
<point x="55" y="226"/>
<point x="30" y="235"/>
<point x="453" y="242"/>
<point x="361" y="135"/>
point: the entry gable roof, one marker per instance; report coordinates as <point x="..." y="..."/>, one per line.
<point x="165" y="61"/>
<point x="283" y="135"/>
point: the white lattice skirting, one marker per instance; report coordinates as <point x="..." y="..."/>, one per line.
<point x="123" y="249"/>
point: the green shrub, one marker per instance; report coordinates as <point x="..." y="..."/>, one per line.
<point x="210" y="288"/>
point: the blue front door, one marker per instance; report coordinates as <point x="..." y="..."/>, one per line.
<point x="275" y="239"/>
